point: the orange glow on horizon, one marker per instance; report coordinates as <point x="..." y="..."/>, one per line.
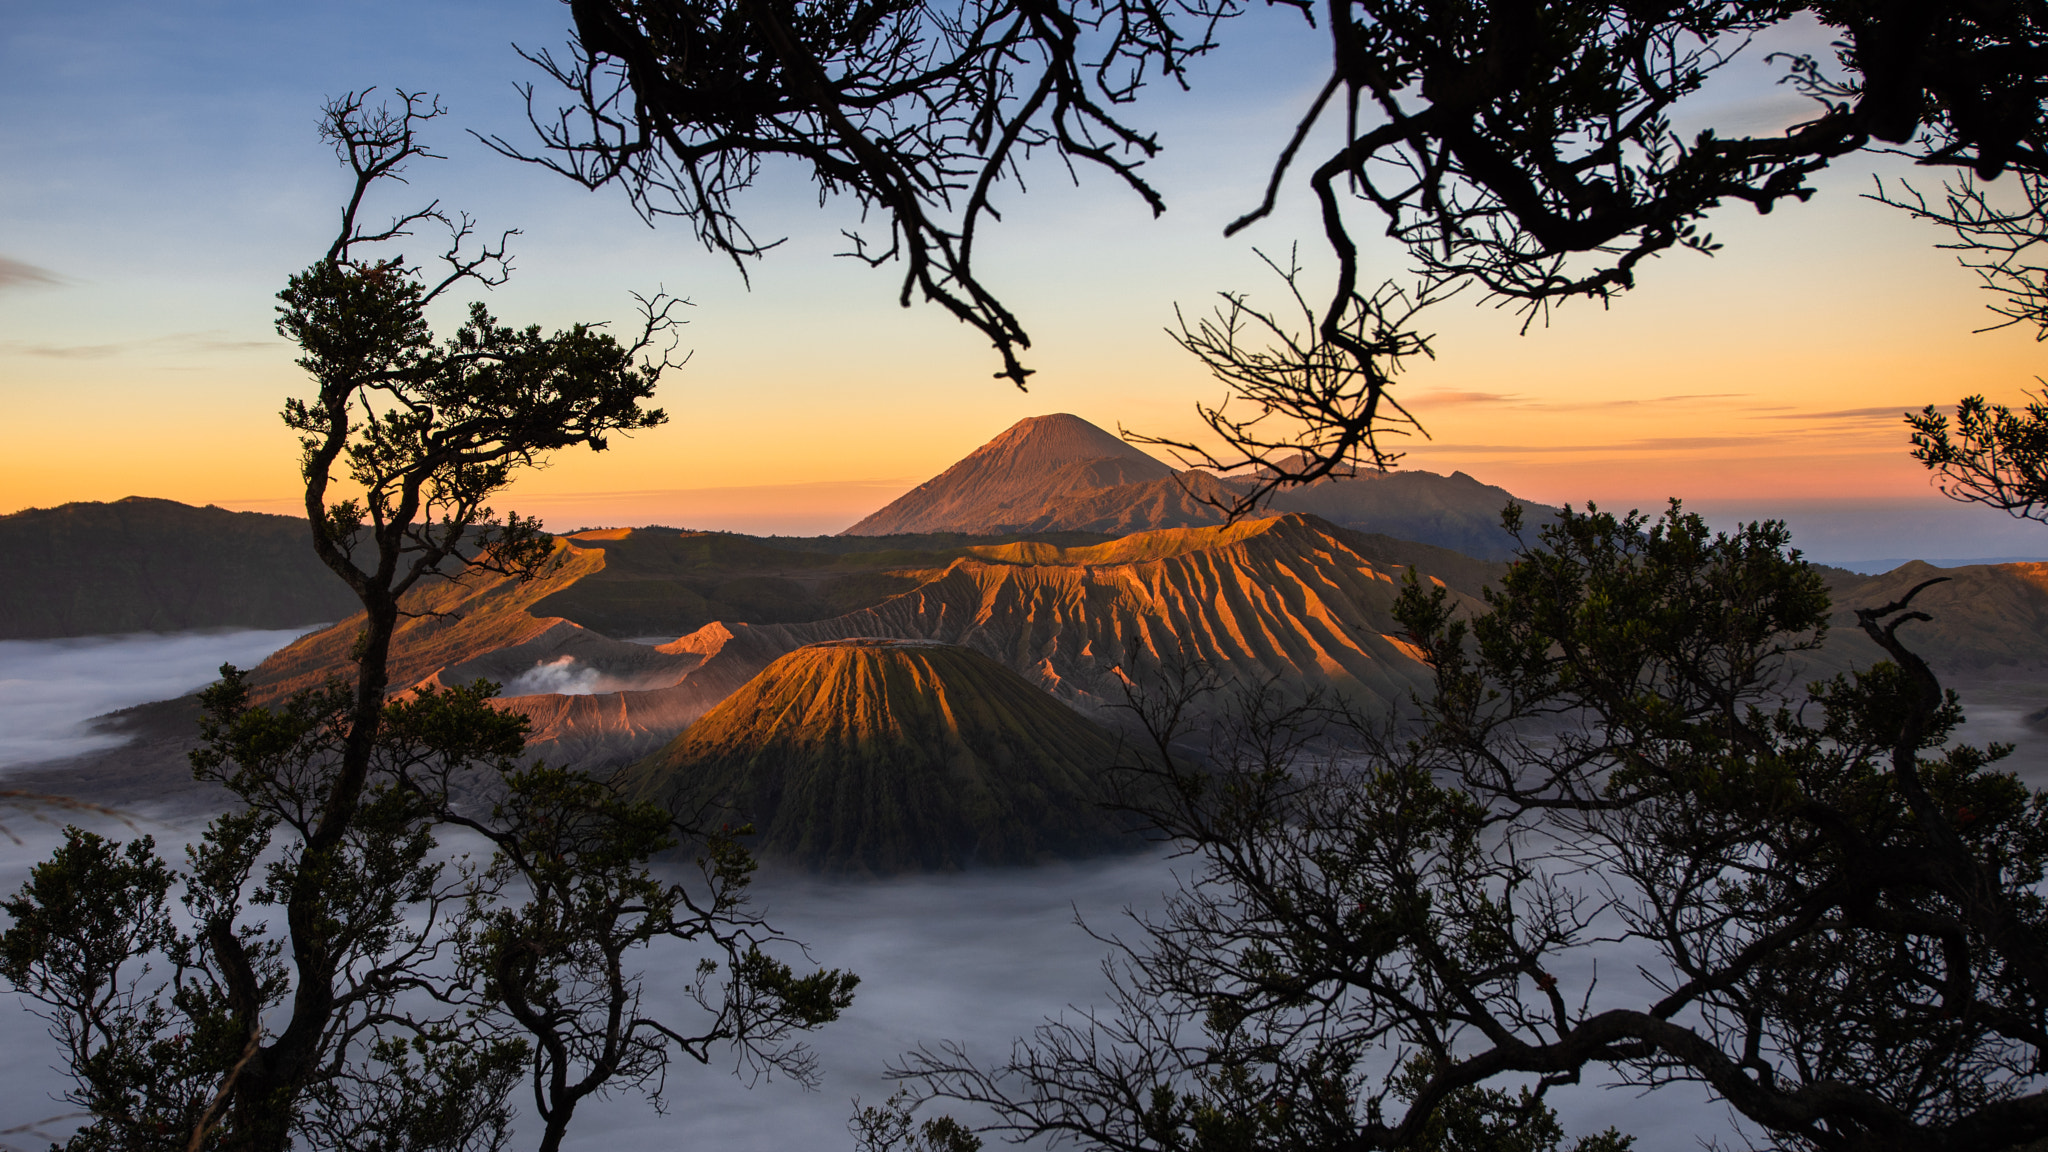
<point x="1775" y="369"/>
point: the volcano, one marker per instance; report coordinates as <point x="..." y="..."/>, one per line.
<point x="880" y="756"/>
<point x="1291" y="600"/>
<point x="1060" y="473"/>
<point x="1009" y="480"/>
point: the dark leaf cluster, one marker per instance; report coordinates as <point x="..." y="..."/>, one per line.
<point x="1990" y="455"/>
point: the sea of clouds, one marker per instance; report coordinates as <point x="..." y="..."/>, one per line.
<point x="50" y="689"/>
<point x="978" y="957"/>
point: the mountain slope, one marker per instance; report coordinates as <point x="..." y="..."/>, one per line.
<point x="595" y="699"/>
<point x="1989" y="620"/>
<point x="447" y="622"/>
<point x="1006" y="481"/>
<point x="1287" y="599"/>
<point x="145" y="565"/>
<point x="609" y="585"/>
<point x="888" y="755"/>
<point x="1290" y="598"/>
<point x="1455" y="511"/>
<point x="1179" y="500"/>
<point x="1062" y="474"/>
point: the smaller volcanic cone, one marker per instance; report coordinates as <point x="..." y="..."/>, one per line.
<point x="884" y="756"/>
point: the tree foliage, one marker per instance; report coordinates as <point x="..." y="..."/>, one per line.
<point x="891" y="1127"/>
<point x="335" y="974"/>
<point x="1528" y="149"/>
<point x="1832" y="910"/>
<point x="1991" y="455"/>
<point x="555" y="974"/>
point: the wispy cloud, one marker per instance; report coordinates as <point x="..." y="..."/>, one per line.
<point x="1448" y="397"/>
<point x="1652" y="444"/>
<point x="65" y="351"/>
<point x="1671" y="443"/>
<point x="22" y="274"/>
<point x="1636" y="402"/>
<point x="1890" y="412"/>
<point x="175" y="343"/>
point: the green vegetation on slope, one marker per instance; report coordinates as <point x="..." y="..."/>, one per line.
<point x="144" y="565"/>
<point x="883" y="756"/>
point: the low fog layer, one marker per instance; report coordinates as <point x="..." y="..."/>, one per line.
<point x="2010" y="712"/>
<point x="978" y="957"/>
<point x="49" y="688"/>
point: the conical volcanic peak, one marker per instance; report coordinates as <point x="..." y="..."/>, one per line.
<point x="1060" y="473"/>
<point x="883" y="755"/>
<point x="1044" y="444"/>
<point x="1010" y="479"/>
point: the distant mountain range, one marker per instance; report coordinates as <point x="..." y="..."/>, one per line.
<point x="1289" y="599"/>
<point x="144" y="565"/>
<point x="936" y="643"/>
<point x="1060" y="473"/>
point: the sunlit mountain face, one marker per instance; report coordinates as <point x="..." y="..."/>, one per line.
<point x="881" y="756"/>
<point x="1289" y="599"/>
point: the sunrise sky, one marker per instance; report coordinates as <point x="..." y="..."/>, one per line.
<point x="162" y="178"/>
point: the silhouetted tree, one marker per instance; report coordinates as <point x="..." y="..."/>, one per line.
<point x="1527" y="148"/>
<point x="555" y="974"/>
<point x="890" y="1127"/>
<point x="1835" y="912"/>
<point x="1994" y="456"/>
<point x="335" y="979"/>
<point x="1991" y="454"/>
